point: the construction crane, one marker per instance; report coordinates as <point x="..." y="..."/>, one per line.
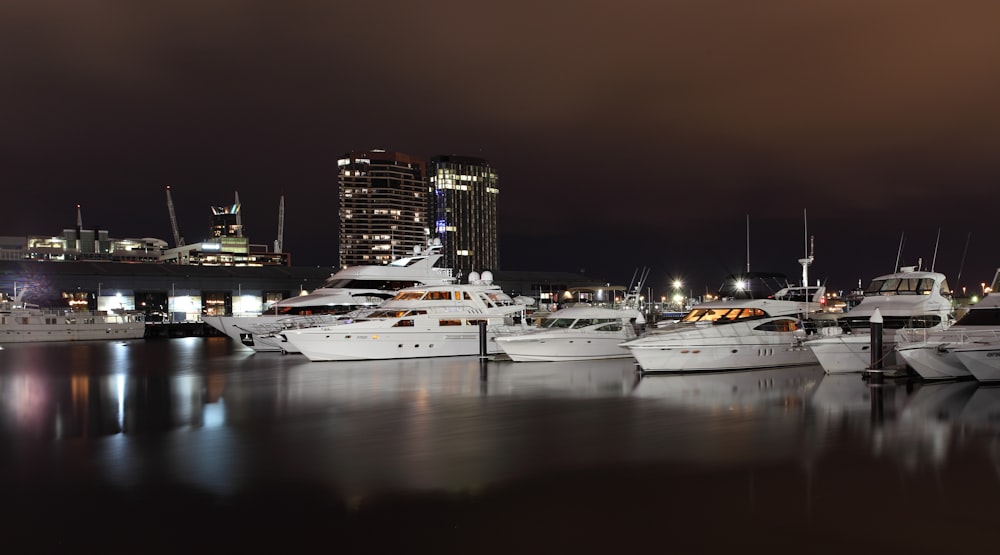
<point x="281" y="225"/>
<point x="239" y="219"/>
<point x="178" y="240"/>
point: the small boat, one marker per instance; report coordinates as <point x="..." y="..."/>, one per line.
<point x="935" y="355"/>
<point x="22" y="322"/>
<point x="419" y="322"/>
<point x="344" y="295"/>
<point x="579" y="332"/>
<point x="909" y="299"/>
<point x="575" y="333"/>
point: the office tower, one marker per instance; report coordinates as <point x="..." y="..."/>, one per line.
<point x="465" y="211"/>
<point x="383" y="206"/>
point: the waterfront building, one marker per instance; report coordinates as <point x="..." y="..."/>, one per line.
<point x="464" y="204"/>
<point x="383" y="206"/>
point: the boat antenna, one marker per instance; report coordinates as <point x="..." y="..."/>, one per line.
<point x="808" y="259"/>
<point x="748" y="243"/>
<point x="900" y="251"/>
<point x="936" y="243"/>
<point x="962" y="265"/>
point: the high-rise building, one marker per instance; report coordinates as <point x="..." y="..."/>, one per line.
<point x="383" y="206"/>
<point x="465" y="211"/>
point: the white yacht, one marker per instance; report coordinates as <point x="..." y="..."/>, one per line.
<point x="911" y="299"/>
<point x="22" y="322"/>
<point x="341" y="296"/>
<point x="575" y="333"/>
<point x="740" y="331"/>
<point x="934" y="355"/>
<point x="422" y="321"/>
<point x="733" y="334"/>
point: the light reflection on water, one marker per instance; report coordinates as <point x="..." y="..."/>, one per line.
<point x="199" y="413"/>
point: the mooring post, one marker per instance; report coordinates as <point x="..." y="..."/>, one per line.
<point x="482" y="339"/>
<point x="875" y="369"/>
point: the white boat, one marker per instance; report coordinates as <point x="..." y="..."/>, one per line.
<point x="22" y="322"/>
<point x="934" y="355"/>
<point x="423" y="321"/>
<point x="740" y="331"/>
<point x="342" y="295"/>
<point x="580" y="332"/>
<point x="910" y="299"/>
<point x="573" y="334"/>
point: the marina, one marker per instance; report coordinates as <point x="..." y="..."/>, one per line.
<point x="161" y="445"/>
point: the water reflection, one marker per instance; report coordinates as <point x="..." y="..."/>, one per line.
<point x="198" y="411"/>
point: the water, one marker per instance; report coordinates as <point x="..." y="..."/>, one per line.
<point x="194" y="444"/>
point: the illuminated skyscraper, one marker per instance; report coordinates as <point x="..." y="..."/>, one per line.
<point x="383" y="206"/>
<point x="465" y="211"/>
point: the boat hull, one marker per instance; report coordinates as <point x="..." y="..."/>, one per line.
<point x="934" y="361"/>
<point x="384" y="344"/>
<point x="34" y="333"/>
<point x="848" y="353"/>
<point x="710" y="358"/>
<point x="982" y="361"/>
<point x="557" y="349"/>
<point x="238" y="329"/>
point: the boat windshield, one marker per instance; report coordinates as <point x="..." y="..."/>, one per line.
<point x="556" y="323"/>
<point x="394" y="313"/>
<point x="722" y="315"/>
<point x="903" y="286"/>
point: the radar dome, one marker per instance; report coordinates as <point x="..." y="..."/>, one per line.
<point x="473" y="276"/>
<point x="488" y="276"/>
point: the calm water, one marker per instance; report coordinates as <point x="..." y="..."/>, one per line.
<point x="196" y="445"/>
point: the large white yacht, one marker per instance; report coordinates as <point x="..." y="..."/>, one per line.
<point x="342" y="295"/>
<point x="737" y="332"/>
<point x="22" y="322"/>
<point x="422" y="321"/>
<point x="934" y="355"/>
<point x="909" y="299"/>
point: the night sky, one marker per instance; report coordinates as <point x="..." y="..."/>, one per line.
<point x="626" y="134"/>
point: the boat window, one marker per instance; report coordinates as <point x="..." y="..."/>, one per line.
<point x="408" y="296"/>
<point x="613" y="326"/>
<point x="558" y="323"/>
<point x="945" y="290"/>
<point x="475" y="322"/>
<point x="450" y="323"/>
<point x="389" y="314"/>
<point x="405" y="323"/>
<point x="583" y="322"/>
<point x="438" y="296"/>
<point x="780" y="325"/>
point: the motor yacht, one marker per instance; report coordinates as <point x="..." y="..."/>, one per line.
<point x="934" y="355"/>
<point x="732" y="334"/>
<point x="23" y="322"/>
<point x="742" y="330"/>
<point x="422" y="321"/>
<point x="344" y="295"/>
<point x="909" y="299"/>
<point x="575" y="333"/>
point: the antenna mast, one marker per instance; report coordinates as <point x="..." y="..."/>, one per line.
<point x="900" y="251"/>
<point x="178" y="240"/>
<point x="936" y="243"/>
<point x="279" y="242"/>
<point x="79" y="218"/>
<point x="748" y="243"/>
<point x="809" y="252"/>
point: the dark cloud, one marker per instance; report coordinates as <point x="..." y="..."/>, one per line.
<point x="627" y="134"/>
